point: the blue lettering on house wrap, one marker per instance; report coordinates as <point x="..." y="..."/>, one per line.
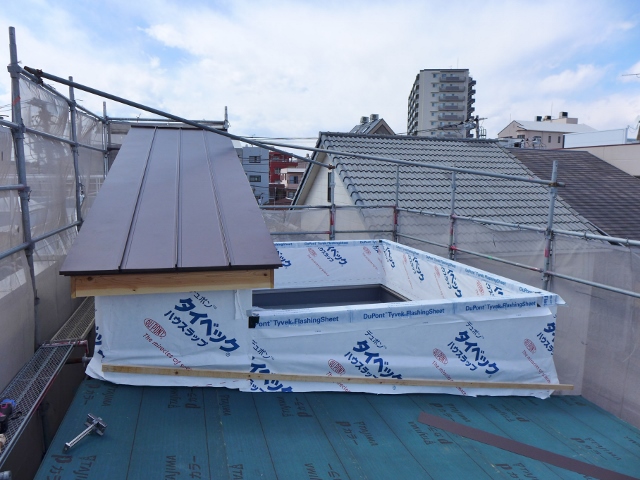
<point x="450" y="278"/>
<point x="332" y="254"/>
<point x="388" y="257"/>
<point x="415" y="266"/>
<point x="285" y="263"/>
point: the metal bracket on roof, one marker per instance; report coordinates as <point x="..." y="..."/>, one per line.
<point x="36" y="72"/>
<point x="14" y="68"/>
<point x="254" y="320"/>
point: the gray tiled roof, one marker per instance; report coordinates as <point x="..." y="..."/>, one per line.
<point x="372" y="182"/>
<point x="372" y="126"/>
<point x="600" y="192"/>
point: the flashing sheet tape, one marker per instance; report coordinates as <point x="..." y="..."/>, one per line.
<point x="461" y="324"/>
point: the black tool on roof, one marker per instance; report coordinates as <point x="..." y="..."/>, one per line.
<point x="7" y="408"/>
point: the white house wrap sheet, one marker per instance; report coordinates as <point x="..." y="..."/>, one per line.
<point x="460" y="324"/>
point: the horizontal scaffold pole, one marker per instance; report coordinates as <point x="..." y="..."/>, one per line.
<point x="79" y="86"/>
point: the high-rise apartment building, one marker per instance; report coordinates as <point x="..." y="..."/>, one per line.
<point x="440" y="103"/>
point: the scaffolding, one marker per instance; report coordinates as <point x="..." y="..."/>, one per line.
<point x="59" y="156"/>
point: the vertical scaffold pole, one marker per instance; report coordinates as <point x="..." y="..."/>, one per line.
<point x="395" y="205"/>
<point x="332" y="198"/>
<point x="74" y="152"/>
<point x="548" y="244"/>
<point x="106" y="139"/>
<point x="452" y="218"/>
<point x="21" y="164"/>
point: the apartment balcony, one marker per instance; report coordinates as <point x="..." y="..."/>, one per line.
<point x="451" y="107"/>
<point x="452" y="78"/>
<point x="451" y="117"/>
<point x="451" y="98"/>
<point x="451" y="88"/>
<point x="452" y="135"/>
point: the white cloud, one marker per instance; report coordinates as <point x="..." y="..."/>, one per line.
<point x="568" y="80"/>
<point x="632" y="74"/>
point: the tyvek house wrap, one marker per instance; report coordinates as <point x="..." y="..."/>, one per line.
<point x="460" y="324"/>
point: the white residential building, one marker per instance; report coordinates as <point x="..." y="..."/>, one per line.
<point x="544" y="132"/>
<point x="255" y="161"/>
<point x="440" y="103"/>
<point x="291" y="178"/>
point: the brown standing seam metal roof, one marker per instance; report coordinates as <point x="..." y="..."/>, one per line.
<point x="175" y="200"/>
<point x="600" y="192"/>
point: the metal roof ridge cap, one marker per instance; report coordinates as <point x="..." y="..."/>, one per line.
<point x="227" y="248"/>
<point x="134" y="217"/>
<point x="178" y="225"/>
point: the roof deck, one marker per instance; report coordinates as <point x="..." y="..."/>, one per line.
<point x="173" y="432"/>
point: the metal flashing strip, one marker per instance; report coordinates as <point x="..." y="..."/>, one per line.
<point x="520" y="448"/>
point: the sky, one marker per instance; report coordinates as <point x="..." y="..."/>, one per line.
<point x="291" y="69"/>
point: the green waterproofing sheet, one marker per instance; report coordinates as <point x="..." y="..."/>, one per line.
<point x="209" y="433"/>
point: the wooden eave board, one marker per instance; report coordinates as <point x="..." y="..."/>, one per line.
<point x="175" y="200"/>
<point x="149" y="283"/>
<point x="159" y="431"/>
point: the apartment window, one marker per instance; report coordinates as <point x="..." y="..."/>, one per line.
<point x="549" y="140"/>
<point x="521" y="136"/>
<point x="255" y="178"/>
<point x="254" y="159"/>
<point x="433" y="114"/>
<point x="434" y="75"/>
<point x="290" y="195"/>
<point x="558" y="138"/>
<point x="277" y="170"/>
<point x="293" y="179"/>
